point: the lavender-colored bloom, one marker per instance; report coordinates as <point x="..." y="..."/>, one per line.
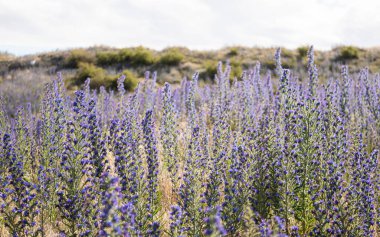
<point x="344" y="97"/>
<point x="190" y="102"/>
<point x="109" y="215"/>
<point x="235" y="191"/>
<point x="97" y="143"/>
<point x="277" y="58"/>
<point x="169" y="135"/>
<point x="312" y="71"/>
<point x="150" y="143"/>
<point x="214" y="225"/>
<point x="190" y="200"/>
<point x="18" y="200"/>
<point x="265" y="229"/>
<point x="176" y="221"/>
<point x="362" y="189"/>
<point x="120" y="85"/>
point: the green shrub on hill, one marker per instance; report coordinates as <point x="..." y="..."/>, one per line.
<point x="268" y="64"/>
<point x="236" y="69"/>
<point x="210" y="69"/>
<point x="233" y="52"/>
<point x="107" y="58"/>
<point x="347" y="53"/>
<point x="139" y="56"/>
<point x="98" y="76"/>
<point x="171" y="57"/>
<point x="130" y="81"/>
<point x="302" y="52"/>
<point x="78" y="56"/>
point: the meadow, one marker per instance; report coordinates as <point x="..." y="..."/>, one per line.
<point x="264" y="153"/>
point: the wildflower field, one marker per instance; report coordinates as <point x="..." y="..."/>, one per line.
<point x="264" y="154"/>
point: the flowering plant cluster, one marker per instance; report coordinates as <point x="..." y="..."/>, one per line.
<point x="249" y="156"/>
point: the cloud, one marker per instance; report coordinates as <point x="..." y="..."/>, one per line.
<point x="27" y="26"/>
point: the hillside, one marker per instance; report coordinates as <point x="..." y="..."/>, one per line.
<point x="103" y="63"/>
<point x="22" y="79"/>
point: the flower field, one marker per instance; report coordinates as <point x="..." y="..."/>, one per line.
<point x="267" y="154"/>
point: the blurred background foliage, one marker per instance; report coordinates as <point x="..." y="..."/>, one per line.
<point x="105" y="64"/>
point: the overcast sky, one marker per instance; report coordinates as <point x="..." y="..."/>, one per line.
<point x="29" y="26"/>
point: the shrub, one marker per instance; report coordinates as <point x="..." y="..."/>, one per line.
<point x="141" y="56"/>
<point x="268" y="64"/>
<point x="347" y="53"/>
<point x="289" y="63"/>
<point x="97" y="75"/>
<point x="210" y="69"/>
<point x="233" y="52"/>
<point x="236" y="69"/>
<point x="130" y="81"/>
<point x="302" y="51"/>
<point x="97" y="82"/>
<point x="78" y="56"/>
<point x="171" y="57"/>
<point x="100" y="78"/>
<point x="286" y="53"/>
<point x="107" y="58"/>
<point x="125" y="55"/>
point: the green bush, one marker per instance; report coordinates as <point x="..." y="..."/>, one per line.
<point x="125" y="55"/>
<point x="171" y="57"/>
<point x="302" y="52"/>
<point x="107" y="82"/>
<point x="97" y="75"/>
<point x="210" y="69"/>
<point x="286" y="53"/>
<point x="269" y="64"/>
<point x="141" y="56"/>
<point x="78" y="56"/>
<point x="107" y="58"/>
<point x="236" y="69"/>
<point x="100" y="78"/>
<point x="130" y="81"/>
<point x="117" y="57"/>
<point x="347" y="53"/>
<point x="288" y="63"/>
<point x="233" y="52"/>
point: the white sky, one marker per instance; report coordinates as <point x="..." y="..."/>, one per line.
<point x="29" y="26"/>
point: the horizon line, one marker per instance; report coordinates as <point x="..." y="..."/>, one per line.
<point x="22" y="51"/>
